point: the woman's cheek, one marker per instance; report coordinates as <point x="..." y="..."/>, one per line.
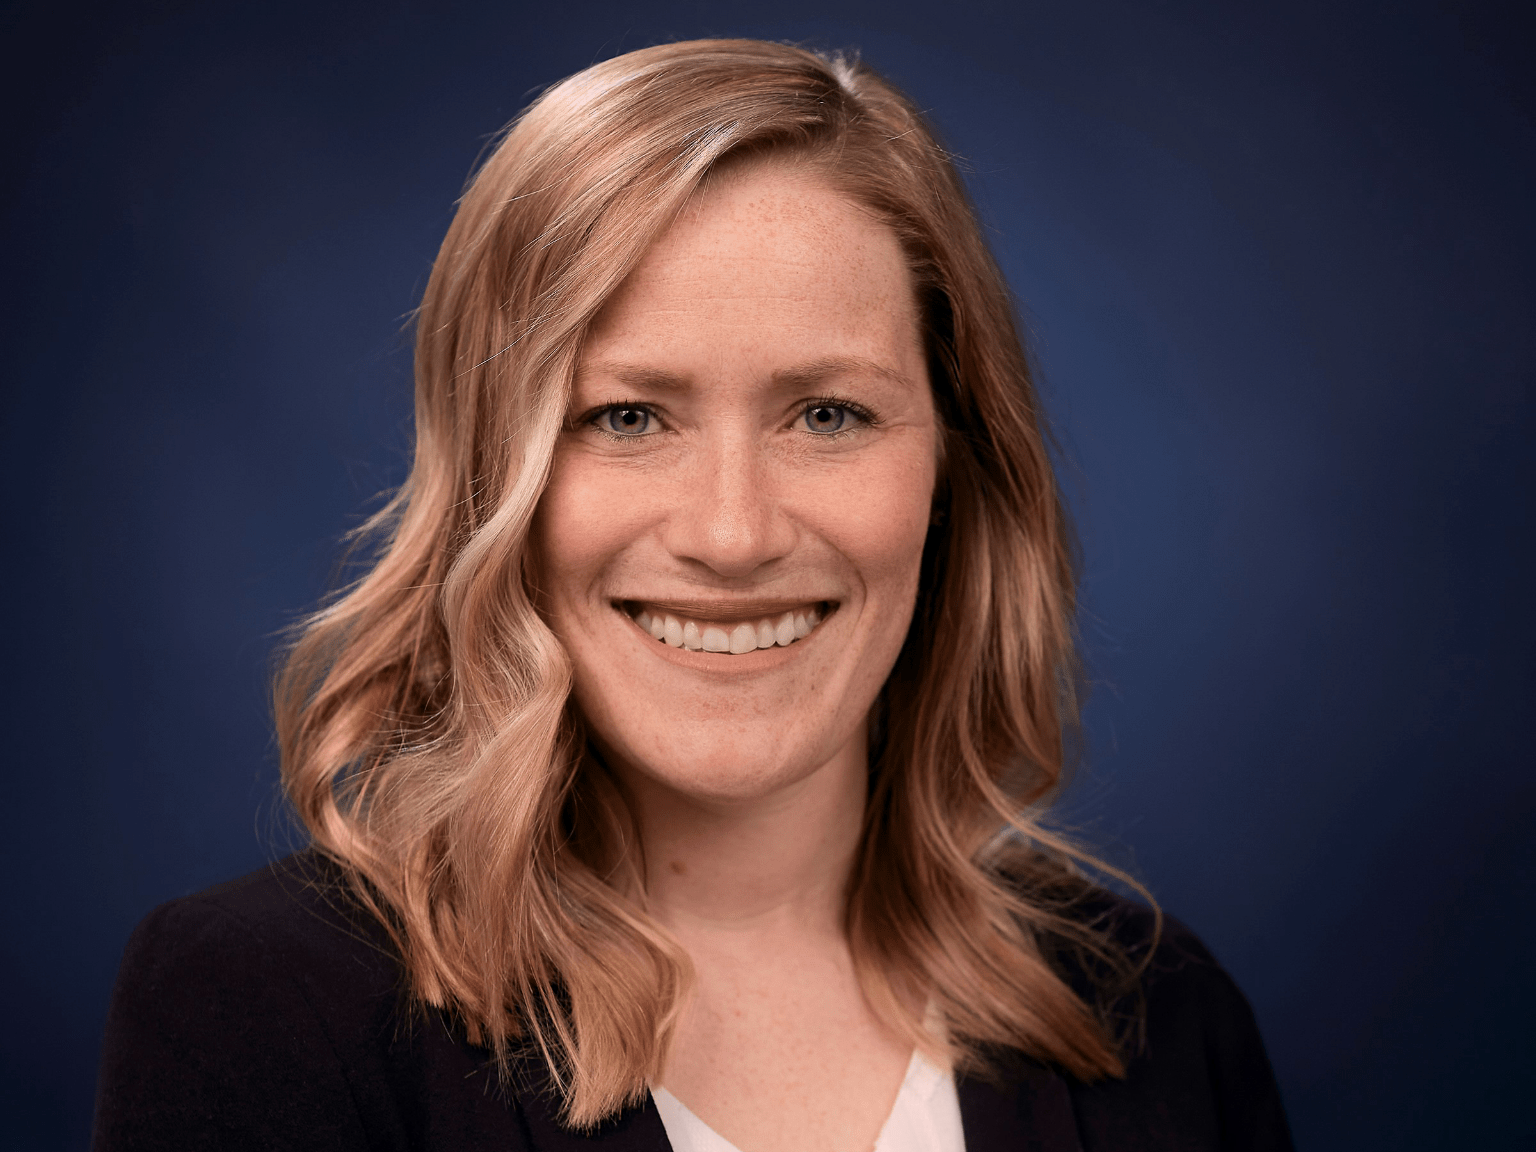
<point x="890" y="501"/>
<point x="590" y="511"/>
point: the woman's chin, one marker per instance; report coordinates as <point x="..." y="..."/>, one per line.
<point x="731" y="767"/>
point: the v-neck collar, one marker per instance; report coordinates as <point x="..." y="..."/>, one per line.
<point x="1030" y="1110"/>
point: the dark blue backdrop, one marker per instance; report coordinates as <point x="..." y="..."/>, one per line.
<point x="1278" y="264"/>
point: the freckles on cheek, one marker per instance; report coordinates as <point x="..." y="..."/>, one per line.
<point x="568" y="535"/>
<point x="882" y="529"/>
<point x="587" y="515"/>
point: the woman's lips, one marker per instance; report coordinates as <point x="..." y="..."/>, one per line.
<point x="736" y="633"/>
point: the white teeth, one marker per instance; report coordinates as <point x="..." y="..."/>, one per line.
<point x="784" y="630"/>
<point x="738" y="639"/>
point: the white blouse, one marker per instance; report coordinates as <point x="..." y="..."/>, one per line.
<point x="925" y="1117"/>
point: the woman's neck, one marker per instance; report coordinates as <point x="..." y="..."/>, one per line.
<point x="745" y="866"/>
<point x="775" y="1045"/>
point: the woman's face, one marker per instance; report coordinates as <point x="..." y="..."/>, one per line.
<point x="730" y="542"/>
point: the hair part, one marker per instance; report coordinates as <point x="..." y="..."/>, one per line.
<point x="428" y="738"/>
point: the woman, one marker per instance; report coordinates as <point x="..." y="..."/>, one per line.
<point x="673" y="776"/>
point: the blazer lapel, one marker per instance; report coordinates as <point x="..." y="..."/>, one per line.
<point x="1029" y="1112"/>
<point x="637" y="1129"/>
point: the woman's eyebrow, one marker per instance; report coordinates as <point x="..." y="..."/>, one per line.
<point x="807" y="375"/>
<point x="632" y="376"/>
<point x="817" y="371"/>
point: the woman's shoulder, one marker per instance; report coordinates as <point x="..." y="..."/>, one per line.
<point x="1195" y="1060"/>
<point x="247" y="1014"/>
<point x="273" y="1012"/>
<point x="1101" y="942"/>
<point x="292" y="928"/>
<point x="295" y="907"/>
<point x="1160" y="945"/>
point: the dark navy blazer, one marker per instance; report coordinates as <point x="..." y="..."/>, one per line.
<point x="270" y="1013"/>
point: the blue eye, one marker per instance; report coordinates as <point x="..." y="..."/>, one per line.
<point x="625" y="421"/>
<point x="825" y="418"/>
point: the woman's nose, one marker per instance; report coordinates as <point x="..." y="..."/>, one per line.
<point x="729" y="517"/>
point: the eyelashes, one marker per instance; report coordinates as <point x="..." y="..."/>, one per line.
<point x="824" y="417"/>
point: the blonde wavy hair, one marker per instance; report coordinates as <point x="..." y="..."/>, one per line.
<point x="428" y="738"/>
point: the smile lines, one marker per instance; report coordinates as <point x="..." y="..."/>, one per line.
<point x="738" y="638"/>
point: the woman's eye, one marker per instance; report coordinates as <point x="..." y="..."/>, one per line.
<point x="625" y="421"/>
<point x="825" y="418"/>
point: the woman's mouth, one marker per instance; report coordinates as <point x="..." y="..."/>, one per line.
<point x="737" y="635"/>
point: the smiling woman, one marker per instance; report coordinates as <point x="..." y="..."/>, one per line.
<point x="676" y="774"/>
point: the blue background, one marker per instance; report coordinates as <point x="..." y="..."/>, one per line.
<point x="1277" y="261"/>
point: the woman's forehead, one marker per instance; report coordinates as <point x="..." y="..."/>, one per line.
<point x="772" y="201"/>
<point x="770" y="255"/>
